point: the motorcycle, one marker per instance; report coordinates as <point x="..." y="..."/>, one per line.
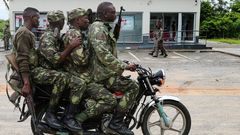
<point x="156" y="115"/>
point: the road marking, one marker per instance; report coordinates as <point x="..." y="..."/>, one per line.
<point x="135" y="56"/>
<point x="185" y="57"/>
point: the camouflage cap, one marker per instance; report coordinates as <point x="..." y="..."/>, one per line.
<point x="76" y="13"/>
<point x="54" y="16"/>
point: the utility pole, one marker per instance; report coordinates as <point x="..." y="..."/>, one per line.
<point x="6" y="4"/>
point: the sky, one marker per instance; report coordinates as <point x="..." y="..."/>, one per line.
<point x="3" y="11"/>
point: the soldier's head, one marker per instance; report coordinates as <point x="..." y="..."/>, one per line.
<point x="78" y="18"/>
<point x="158" y="24"/>
<point x="31" y="16"/>
<point x="56" y="19"/>
<point x="106" y="12"/>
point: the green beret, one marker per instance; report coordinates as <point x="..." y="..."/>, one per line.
<point x="54" y="16"/>
<point x="76" y="13"/>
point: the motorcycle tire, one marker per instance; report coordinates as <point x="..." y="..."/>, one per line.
<point x="176" y="111"/>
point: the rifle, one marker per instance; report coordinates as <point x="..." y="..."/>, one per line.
<point x="30" y="105"/>
<point x="117" y="27"/>
<point x="28" y="100"/>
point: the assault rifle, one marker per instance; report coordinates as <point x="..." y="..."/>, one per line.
<point x="117" y="27"/>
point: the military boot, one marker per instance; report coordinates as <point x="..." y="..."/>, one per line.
<point x="50" y="117"/>
<point x="117" y="124"/>
<point x="156" y="52"/>
<point x="151" y="53"/>
<point x="69" y="121"/>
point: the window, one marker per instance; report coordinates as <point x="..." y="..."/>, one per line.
<point x="187" y="26"/>
<point x="131" y="28"/>
<point x="169" y="23"/>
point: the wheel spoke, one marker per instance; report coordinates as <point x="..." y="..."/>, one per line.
<point x="162" y="131"/>
<point x="174" y="118"/>
<point x="179" y="131"/>
<point x="157" y="123"/>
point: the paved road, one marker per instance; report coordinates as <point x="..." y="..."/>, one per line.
<point x="207" y="82"/>
<point x="211" y="115"/>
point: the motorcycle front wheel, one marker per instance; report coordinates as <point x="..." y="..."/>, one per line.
<point x="180" y="120"/>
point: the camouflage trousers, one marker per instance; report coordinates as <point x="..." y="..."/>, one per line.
<point x="130" y="89"/>
<point x="60" y="81"/>
<point x="6" y="43"/>
<point x="99" y="101"/>
<point x="159" y="46"/>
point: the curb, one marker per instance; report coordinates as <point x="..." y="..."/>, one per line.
<point x="225" y="52"/>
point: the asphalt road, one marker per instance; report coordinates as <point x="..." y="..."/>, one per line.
<point x="206" y="82"/>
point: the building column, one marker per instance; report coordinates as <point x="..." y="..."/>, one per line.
<point x="179" y="33"/>
<point x="146" y="22"/>
<point x="145" y="27"/>
<point x="194" y="27"/>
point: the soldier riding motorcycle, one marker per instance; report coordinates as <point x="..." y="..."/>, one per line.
<point x="155" y="115"/>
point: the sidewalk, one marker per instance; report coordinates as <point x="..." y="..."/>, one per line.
<point x="225" y="48"/>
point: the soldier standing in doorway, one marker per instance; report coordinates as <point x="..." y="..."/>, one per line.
<point x="6" y="37"/>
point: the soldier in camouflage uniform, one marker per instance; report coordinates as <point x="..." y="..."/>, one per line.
<point x="158" y="41"/>
<point x="108" y="68"/>
<point x="50" y="59"/>
<point x="79" y="65"/>
<point x="6" y="37"/>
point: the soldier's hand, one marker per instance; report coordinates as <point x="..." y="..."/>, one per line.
<point x="26" y="90"/>
<point x="131" y="67"/>
<point x="75" y="42"/>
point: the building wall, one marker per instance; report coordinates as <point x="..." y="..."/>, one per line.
<point x="146" y="7"/>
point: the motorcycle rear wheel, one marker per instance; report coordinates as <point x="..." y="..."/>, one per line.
<point x="176" y="111"/>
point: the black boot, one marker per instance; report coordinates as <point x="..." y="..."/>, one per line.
<point x="69" y="121"/>
<point x="162" y="53"/>
<point x="51" y="119"/>
<point x="117" y="124"/>
<point x="151" y="53"/>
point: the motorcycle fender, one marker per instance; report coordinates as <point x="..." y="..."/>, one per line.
<point x="151" y="103"/>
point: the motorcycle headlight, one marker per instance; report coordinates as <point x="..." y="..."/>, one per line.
<point x="158" y="78"/>
<point x="160" y="74"/>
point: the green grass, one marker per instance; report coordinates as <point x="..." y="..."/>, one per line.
<point x="226" y="40"/>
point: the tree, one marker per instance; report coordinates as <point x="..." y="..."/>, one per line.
<point x="206" y="11"/>
<point x="218" y="20"/>
<point x="221" y="7"/>
<point x="236" y="6"/>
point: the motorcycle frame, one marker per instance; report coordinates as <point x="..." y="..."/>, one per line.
<point x="157" y="101"/>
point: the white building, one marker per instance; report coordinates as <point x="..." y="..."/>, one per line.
<point x="138" y="20"/>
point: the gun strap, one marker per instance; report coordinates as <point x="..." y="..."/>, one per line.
<point x="16" y="104"/>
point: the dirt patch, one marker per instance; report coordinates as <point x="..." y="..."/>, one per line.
<point x="199" y="91"/>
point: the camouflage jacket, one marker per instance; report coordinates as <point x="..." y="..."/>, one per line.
<point x="49" y="50"/>
<point x="158" y="35"/>
<point x="106" y="65"/>
<point x="24" y="47"/>
<point x="6" y="33"/>
<point x="78" y="62"/>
